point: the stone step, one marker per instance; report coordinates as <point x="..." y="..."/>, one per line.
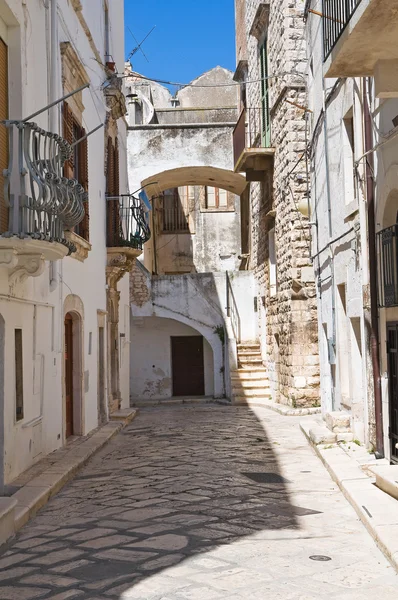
<point x="258" y="393"/>
<point x="250" y="384"/>
<point x="250" y="362"/>
<point x="250" y="352"/>
<point x="250" y="373"/>
<point x="386" y="478"/>
<point x="338" y="421"/>
<point x="247" y="346"/>
<point x="244" y="401"/>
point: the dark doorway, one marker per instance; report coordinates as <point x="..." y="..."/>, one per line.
<point x="68" y="375"/>
<point x="392" y="350"/>
<point x="188" y="366"/>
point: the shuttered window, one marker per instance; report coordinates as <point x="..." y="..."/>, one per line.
<point x="3" y="132"/>
<point x="112" y="190"/>
<point x="77" y="166"/>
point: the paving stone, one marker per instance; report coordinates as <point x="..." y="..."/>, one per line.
<point x="15" y="573"/>
<point x="21" y="593"/>
<point x="168" y="542"/>
<point x="107" y="542"/>
<point x="13" y="559"/>
<point x="53" y="580"/>
<point x="55" y="557"/>
<point x="188" y="525"/>
<point x="90" y="534"/>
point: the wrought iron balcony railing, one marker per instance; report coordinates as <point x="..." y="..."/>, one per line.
<point x="251" y="131"/>
<point x="127" y="224"/>
<point x="388" y="266"/>
<point x="336" y="16"/>
<point x="41" y="203"/>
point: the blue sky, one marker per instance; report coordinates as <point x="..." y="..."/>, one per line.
<point x="191" y="36"/>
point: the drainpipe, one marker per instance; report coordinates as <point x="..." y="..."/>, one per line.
<point x="330" y="226"/>
<point x="374" y="332"/>
<point x="54" y="58"/>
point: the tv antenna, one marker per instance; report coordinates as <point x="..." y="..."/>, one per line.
<point x="138" y="47"/>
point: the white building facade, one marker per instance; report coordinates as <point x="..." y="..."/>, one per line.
<point x="353" y="94"/>
<point x="63" y="264"/>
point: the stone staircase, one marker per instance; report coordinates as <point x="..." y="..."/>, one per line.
<point x="250" y="381"/>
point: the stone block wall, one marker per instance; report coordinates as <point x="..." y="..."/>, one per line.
<point x="287" y="320"/>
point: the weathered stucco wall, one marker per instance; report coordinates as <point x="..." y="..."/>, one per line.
<point x="151" y="368"/>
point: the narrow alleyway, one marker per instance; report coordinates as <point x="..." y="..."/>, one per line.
<point x="199" y="503"/>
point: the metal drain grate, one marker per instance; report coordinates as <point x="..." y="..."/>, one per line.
<point x="266" y="477"/>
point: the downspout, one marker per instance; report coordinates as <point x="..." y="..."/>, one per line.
<point x="53" y="74"/>
<point x="330" y="227"/>
<point x="374" y="332"/>
<point x="54" y="110"/>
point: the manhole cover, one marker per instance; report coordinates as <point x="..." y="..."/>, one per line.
<point x="320" y="558"/>
<point x="266" y="477"/>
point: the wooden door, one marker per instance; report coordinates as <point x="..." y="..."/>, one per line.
<point x="392" y="351"/>
<point x="188" y="366"/>
<point x="69" y="374"/>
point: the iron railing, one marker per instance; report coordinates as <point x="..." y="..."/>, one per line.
<point x="250" y="131"/>
<point x="41" y="203"/>
<point x="336" y="16"/>
<point x="127" y="224"/>
<point x="388" y="266"/>
<point x="232" y="310"/>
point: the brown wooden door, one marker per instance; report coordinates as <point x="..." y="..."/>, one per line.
<point x="188" y="366"/>
<point x="69" y="374"/>
<point x="392" y="353"/>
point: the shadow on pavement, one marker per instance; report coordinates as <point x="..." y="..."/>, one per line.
<point x="178" y="482"/>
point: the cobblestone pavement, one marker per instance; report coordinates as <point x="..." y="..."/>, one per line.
<point x="199" y="503"/>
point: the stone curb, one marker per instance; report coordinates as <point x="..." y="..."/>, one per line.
<point x="286" y="411"/>
<point x="34" y="495"/>
<point x="377" y="510"/>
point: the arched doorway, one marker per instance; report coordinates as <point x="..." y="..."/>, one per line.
<point x="73" y="413"/>
<point x="68" y="375"/>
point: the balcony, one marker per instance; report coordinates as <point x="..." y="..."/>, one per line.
<point x="252" y="155"/>
<point x="388" y="266"/>
<point x="41" y="204"/>
<point x="127" y="230"/>
<point x="360" y="40"/>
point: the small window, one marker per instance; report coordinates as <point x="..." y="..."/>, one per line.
<point x="349" y="157"/>
<point x="216" y="199"/>
<point x="18" y="375"/>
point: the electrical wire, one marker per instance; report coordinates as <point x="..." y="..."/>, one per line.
<point x="213" y="85"/>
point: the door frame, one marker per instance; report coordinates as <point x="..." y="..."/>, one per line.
<point x="74" y="306"/>
<point x="393" y="450"/>
<point x="172" y="366"/>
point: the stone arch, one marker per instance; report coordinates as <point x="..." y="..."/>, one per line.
<point x="74" y="307"/>
<point x="195" y="175"/>
<point x="211" y="337"/>
<point x="387" y="205"/>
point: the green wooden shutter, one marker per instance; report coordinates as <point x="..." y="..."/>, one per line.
<point x="265" y="116"/>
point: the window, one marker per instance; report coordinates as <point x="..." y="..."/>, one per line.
<point x="112" y="191"/>
<point x="18" y="375"/>
<point x="3" y="131"/>
<point x="265" y="112"/>
<point x="176" y="210"/>
<point x="216" y="199"/>
<point x="77" y="166"/>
